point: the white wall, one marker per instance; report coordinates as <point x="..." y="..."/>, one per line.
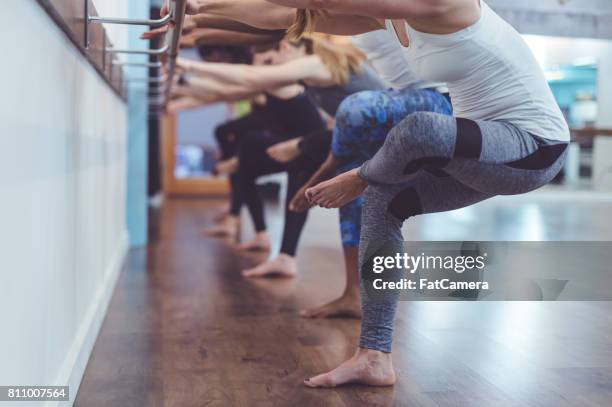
<point x="62" y="201"/>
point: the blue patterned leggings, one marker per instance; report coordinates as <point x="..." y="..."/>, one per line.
<point x="363" y="121"/>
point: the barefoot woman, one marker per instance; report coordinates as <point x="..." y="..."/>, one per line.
<point x="508" y="137"/>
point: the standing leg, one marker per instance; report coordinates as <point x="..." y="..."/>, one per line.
<point x="254" y="163"/>
<point x="382" y="218"/>
<point x="227" y="136"/>
<point x="429" y="163"/>
<point x="285" y="264"/>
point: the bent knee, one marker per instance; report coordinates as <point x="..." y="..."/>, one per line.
<point x="381" y="200"/>
<point x="359" y="110"/>
<point x="421" y="130"/>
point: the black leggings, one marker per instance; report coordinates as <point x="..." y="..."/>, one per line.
<point x="254" y="162"/>
<point x="228" y="134"/>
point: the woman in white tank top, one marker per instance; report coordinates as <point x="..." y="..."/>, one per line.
<point x="508" y="136"/>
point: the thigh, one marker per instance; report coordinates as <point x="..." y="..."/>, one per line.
<point x="365" y="119"/>
<point x="510" y="161"/>
<point x="488" y="156"/>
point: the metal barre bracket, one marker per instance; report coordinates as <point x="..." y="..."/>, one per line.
<point x="130" y="21"/>
<point x="89" y="19"/>
<point x="152" y="80"/>
<point x="139" y="64"/>
<point x="159" y="51"/>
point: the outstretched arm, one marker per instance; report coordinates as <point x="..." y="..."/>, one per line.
<point x="266" y="15"/>
<point x="213" y="36"/>
<point x="183" y="103"/>
<point x="391" y="9"/>
<point x="209" y="90"/>
<point x="263" y="77"/>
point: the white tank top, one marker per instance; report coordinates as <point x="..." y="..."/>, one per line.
<point x="387" y="58"/>
<point x="491" y="74"/>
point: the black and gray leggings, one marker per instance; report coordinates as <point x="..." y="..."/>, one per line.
<point x="435" y="163"/>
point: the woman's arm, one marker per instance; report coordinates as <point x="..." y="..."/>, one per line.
<point x="213" y="36"/>
<point x="210" y="90"/>
<point x="184" y="103"/>
<point x="390" y="9"/>
<point x="266" y="15"/>
<point x="264" y="77"/>
<point x="204" y="20"/>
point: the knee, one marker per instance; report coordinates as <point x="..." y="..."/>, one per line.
<point x="354" y="111"/>
<point x="405" y="204"/>
<point x="221" y="133"/>
<point x="383" y="200"/>
<point x="247" y="143"/>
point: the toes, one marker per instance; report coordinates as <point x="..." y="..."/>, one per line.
<point x="309" y="194"/>
<point x="310" y="313"/>
<point x="250" y="273"/>
<point x="322" y="380"/>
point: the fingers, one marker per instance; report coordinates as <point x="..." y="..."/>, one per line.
<point x="164" y="10"/>
<point x="149" y="35"/>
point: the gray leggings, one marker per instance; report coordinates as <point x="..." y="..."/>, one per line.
<point x="435" y="163"/>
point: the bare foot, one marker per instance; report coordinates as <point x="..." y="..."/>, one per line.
<point x="227" y="167"/>
<point x="337" y="191"/>
<point x="282" y="266"/>
<point x="347" y="306"/>
<point x="228" y="227"/>
<point x="259" y="243"/>
<point x="221" y="216"/>
<point x="285" y="151"/>
<point x="367" y="367"/>
<point x="300" y="203"/>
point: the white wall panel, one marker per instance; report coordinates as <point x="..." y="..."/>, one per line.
<point x="62" y="201"/>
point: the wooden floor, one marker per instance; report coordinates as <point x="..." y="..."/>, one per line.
<point x="184" y="329"/>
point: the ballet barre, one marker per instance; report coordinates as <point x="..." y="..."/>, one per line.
<point x="171" y="44"/>
<point x="130" y="21"/>
<point x="154" y="52"/>
<point x="138" y="64"/>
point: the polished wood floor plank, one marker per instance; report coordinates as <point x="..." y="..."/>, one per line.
<point x="185" y="329"/>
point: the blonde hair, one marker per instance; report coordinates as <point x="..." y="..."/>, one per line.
<point x="304" y="22"/>
<point x="342" y="60"/>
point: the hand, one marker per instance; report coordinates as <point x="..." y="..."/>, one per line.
<point x="193" y="7"/>
<point x="156" y="32"/>
<point x="300" y="203"/>
<point x="183" y="64"/>
<point x="188" y="25"/>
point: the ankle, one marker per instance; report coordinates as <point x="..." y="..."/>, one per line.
<point x="263" y="235"/>
<point x="284" y="257"/>
<point x="232" y="219"/>
<point x="355" y="174"/>
<point x="351" y="293"/>
<point x="373" y="356"/>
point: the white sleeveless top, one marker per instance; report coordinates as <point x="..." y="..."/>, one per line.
<point x="386" y="56"/>
<point x="491" y="74"/>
